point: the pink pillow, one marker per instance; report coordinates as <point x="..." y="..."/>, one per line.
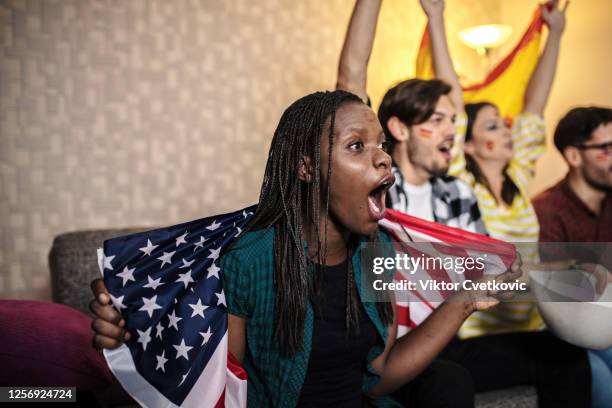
<point x="48" y="344"/>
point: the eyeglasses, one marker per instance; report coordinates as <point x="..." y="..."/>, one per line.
<point x="601" y="146"/>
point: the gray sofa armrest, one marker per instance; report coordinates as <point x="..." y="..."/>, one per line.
<point x="74" y="264"/>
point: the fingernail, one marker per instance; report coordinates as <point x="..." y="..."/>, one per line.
<point x="122" y="323"/>
<point x="127" y="336"/>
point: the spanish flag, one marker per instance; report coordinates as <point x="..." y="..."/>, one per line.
<point x="505" y="85"/>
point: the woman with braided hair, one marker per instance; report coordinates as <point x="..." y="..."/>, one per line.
<point x="298" y="321"/>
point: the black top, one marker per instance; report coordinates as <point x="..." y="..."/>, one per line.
<point x="337" y="363"/>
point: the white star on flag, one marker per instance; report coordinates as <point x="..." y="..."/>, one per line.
<point x="149" y="305"/>
<point x="118" y="302"/>
<point x="153" y="283"/>
<point x="213" y="226"/>
<point x="206" y="336"/>
<point x="186" y="264"/>
<point x="185" y="278"/>
<point x="173" y="320"/>
<point x="198" y="309"/>
<point x="213" y="270"/>
<point x="221" y="298"/>
<point x="159" y="328"/>
<point x="181" y="239"/>
<point x="182" y="350"/>
<point x="161" y="361"/>
<point x="148" y="249"/>
<point x="144" y="337"/>
<point x="199" y="244"/>
<point x="166" y="258"/>
<point x="127" y="274"/>
<point x="239" y="231"/>
<point x="214" y="254"/>
<point x="245" y="213"/>
<point x="107" y="261"/>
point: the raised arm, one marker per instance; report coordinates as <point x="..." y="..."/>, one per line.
<point x="542" y="78"/>
<point x="353" y="65"/>
<point x="443" y="65"/>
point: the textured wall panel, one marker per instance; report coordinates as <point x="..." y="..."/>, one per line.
<point x="132" y="112"/>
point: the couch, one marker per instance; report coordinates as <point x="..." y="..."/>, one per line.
<point x="73" y="264"/>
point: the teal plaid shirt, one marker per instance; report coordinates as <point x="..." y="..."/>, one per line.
<point x="275" y="380"/>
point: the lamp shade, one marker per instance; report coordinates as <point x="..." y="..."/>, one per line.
<point x="486" y="36"/>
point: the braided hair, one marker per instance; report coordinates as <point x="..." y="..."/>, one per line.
<point x="289" y="204"/>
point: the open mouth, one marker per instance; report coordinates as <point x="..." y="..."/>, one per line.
<point x="376" y="198"/>
<point x="445" y="149"/>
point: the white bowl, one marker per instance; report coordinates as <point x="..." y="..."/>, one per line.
<point x="586" y="324"/>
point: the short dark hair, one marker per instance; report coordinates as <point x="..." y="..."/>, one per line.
<point x="578" y="125"/>
<point x="412" y="101"/>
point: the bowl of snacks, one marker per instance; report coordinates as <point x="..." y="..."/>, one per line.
<point x="572" y="307"/>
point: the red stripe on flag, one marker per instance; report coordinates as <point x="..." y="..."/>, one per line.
<point x="425" y="39"/>
<point x="234" y="366"/>
<point x="221" y="402"/>
<point x="436" y="274"/>
<point x="470" y="273"/>
<point x="403" y="316"/>
<point x="399" y="276"/>
<point x="534" y="28"/>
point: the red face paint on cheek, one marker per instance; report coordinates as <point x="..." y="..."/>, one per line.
<point x="425" y="133"/>
<point x="489" y="145"/>
<point x="508" y="122"/>
<point x="601" y="156"/>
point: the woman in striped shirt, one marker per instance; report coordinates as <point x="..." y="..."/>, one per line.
<point x="497" y="160"/>
<point x="498" y="163"/>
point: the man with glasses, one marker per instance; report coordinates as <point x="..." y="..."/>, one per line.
<point x="579" y="207"/>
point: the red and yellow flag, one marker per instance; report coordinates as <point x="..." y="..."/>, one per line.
<point x="505" y="85"/>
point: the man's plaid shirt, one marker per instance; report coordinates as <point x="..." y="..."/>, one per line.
<point x="453" y="202"/>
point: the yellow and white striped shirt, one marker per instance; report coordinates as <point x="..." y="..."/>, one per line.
<point x="515" y="223"/>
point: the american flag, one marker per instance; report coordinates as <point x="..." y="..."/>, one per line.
<point x="166" y="284"/>
<point x="420" y="238"/>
